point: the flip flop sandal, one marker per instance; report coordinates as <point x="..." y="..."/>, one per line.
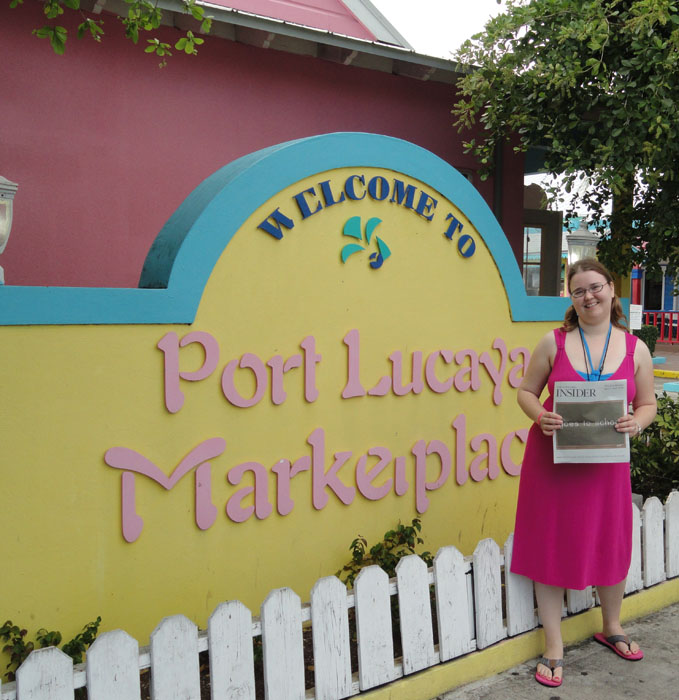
<point x="552" y="664"/>
<point x="610" y="642"/>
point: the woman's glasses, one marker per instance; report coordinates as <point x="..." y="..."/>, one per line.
<point x="593" y="289"/>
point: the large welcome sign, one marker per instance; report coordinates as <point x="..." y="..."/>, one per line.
<point x="327" y="339"/>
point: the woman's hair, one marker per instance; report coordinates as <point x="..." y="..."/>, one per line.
<point x="570" y="321"/>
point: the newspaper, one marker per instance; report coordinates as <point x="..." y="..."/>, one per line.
<point x="589" y="411"/>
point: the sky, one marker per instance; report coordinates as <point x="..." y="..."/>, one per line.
<point x="438" y="27"/>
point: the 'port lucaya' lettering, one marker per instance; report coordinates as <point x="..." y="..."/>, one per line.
<point x="438" y="371"/>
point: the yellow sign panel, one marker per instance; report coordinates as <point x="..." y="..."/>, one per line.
<point x="351" y="361"/>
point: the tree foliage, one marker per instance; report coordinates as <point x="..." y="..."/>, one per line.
<point x="142" y="16"/>
<point x="594" y="82"/>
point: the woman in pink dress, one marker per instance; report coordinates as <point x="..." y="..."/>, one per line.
<point x="574" y="521"/>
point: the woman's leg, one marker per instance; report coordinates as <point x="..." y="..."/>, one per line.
<point x="611" y="603"/>
<point x="550" y="604"/>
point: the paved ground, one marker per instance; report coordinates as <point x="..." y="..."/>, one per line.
<point x="592" y="672"/>
<point x="671" y="355"/>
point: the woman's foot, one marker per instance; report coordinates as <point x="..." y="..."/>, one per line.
<point x="621" y="644"/>
<point x="626" y="647"/>
<point x="549" y="672"/>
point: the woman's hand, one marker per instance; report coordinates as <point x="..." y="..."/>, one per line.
<point x="628" y="424"/>
<point x="549" y="422"/>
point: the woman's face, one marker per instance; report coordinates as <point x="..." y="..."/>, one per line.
<point x="593" y="305"/>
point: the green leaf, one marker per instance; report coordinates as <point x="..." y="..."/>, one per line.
<point x="197" y="11"/>
<point x="94" y="28"/>
<point x="56" y="35"/>
<point x="53" y="9"/>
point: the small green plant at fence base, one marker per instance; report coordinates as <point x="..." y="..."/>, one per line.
<point x="18" y="648"/>
<point x="386" y="554"/>
<point x="79" y="644"/>
<point x="48" y="639"/>
<point x="655" y="453"/>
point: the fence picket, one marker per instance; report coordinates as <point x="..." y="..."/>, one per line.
<point x="414" y="604"/>
<point x="175" y="671"/>
<point x="452" y="603"/>
<point x="577" y="601"/>
<point x="653" y="543"/>
<point x="229" y="633"/>
<point x="487" y="593"/>
<point x="519" y="596"/>
<point x="330" y="629"/>
<point x="373" y="628"/>
<point x="634" y="578"/>
<point x="672" y="534"/>
<point x="283" y="645"/>
<point x="113" y="667"/>
<point x="47" y="674"/>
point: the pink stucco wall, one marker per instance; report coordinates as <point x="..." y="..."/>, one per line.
<point x="105" y="145"/>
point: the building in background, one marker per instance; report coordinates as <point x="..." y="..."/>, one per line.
<point x="105" y="144"/>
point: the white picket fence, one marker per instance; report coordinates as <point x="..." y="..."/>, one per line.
<point x="468" y="595"/>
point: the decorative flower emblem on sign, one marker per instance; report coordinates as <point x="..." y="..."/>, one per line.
<point x="352" y="228"/>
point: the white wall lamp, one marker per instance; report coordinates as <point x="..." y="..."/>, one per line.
<point x="582" y="243"/>
<point x="7" y="191"/>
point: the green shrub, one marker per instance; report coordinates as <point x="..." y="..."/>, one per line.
<point x="655" y="453"/>
<point x="386" y="554"/>
<point x="649" y="334"/>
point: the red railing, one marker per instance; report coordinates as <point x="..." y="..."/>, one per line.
<point x="667" y="323"/>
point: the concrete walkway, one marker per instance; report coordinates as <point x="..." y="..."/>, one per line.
<point x="671" y="364"/>
<point x="593" y="672"/>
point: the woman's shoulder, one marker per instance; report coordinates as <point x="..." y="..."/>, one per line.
<point x="641" y="351"/>
<point x="558" y="336"/>
<point x="623" y="336"/>
<point x="548" y="342"/>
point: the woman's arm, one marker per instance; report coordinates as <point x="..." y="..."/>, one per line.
<point x="533" y="383"/>
<point x="644" y="404"/>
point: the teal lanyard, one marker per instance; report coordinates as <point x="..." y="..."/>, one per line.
<point x="596" y="374"/>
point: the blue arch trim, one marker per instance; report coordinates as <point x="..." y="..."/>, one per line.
<point x="186" y="250"/>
